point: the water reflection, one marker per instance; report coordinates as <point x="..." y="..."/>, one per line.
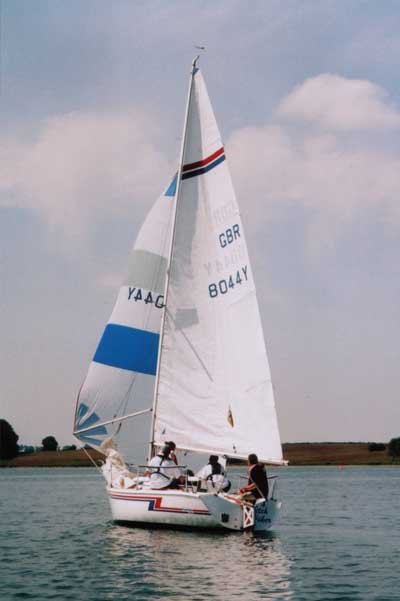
<point x="198" y="565"/>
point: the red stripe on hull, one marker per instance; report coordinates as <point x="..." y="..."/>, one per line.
<point x="157" y="504"/>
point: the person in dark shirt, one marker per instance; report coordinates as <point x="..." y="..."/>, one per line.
<point x="257" y="485"/>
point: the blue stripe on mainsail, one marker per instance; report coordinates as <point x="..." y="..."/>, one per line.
<point x="128" y="348"/>
<point x="172" y="187"/>
<point x="204" y="169"/>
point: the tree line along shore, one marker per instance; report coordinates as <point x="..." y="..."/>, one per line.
<point x="297" y="454"/>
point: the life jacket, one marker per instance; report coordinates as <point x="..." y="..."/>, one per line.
<point x="216" y="470"/>
<point x="261" y="486"/>
<point x="221" y="482"/>
<point x="157" y="470"/>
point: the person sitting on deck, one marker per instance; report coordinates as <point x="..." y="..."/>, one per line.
<point x="257" y="486"/>
<point x="163" y="472"/>
<point x="214" y="472"/>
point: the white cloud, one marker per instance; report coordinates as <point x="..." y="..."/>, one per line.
<point x="334" y="177"/>
<point x="337" y="103"/>
<point x="84" y="167"/>
<point x="318" y="171"/>
<point x="85" y="164"/>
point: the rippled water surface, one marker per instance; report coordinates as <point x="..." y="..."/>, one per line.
<point x="338" y="538"/>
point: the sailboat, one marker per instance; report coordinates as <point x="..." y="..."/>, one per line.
<point x="184" y="347"/>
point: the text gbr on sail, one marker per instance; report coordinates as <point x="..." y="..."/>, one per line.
<point x="229" y="235"/>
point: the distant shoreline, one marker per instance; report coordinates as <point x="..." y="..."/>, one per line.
<point x="296" y="453"/>
<point x="77" y="458"/>
<point x="334" y="453"/>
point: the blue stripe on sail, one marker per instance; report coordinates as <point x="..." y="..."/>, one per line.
<point x="204" y="169"/>
<point x="82" y="410"/>
<point x="82" y="422"/>
<point x="89" y="440"/>
<point x="92" y="419"/>
<point x="99" y="431"/>
<point x="128" y="348"/>
<point x="172" y="187"/>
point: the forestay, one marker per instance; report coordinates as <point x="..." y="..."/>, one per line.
<point x="215" y="392"/>
<point x="121" y="377"/>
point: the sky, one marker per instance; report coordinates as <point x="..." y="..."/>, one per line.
<point x="307" y="97"/>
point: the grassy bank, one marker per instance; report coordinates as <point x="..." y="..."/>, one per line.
<point x="299" y="453"/>
<point x="76" y="458"/>
<point x="334" y="453"/>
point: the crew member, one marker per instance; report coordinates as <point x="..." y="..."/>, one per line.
<point x="257" y="486"/>
<point x="163" y="472"/>
<point x="215" y="473"/>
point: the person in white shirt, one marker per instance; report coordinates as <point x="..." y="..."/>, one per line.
<point x="214" y="473"/>
<point x="163" y="472"/>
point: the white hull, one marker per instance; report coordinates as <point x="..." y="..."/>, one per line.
<point x="176" y="508"/>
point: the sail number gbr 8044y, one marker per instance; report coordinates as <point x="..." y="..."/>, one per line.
<point x="228" y="283"/>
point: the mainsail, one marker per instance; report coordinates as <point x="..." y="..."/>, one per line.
<point x="121" y="377"/>
<point x="214" y="392"/>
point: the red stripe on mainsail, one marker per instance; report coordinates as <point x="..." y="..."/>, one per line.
<point x="203" y="162"/>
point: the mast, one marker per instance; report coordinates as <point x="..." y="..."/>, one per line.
<point x="177" y="194"/>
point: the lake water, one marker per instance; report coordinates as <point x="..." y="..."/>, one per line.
<point x="338" y="539"/>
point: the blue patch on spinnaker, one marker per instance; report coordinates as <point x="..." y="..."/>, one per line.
<point x="86" y="423"/>
<point x="172" y="187"/>
<point x="128" y="348"/>
<point x="100" y="431"/>
<point x="93" y="418"/>
<point x="82" y="423"/>
<point x="82" y="410"/>
<point x="87" y="439"/>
